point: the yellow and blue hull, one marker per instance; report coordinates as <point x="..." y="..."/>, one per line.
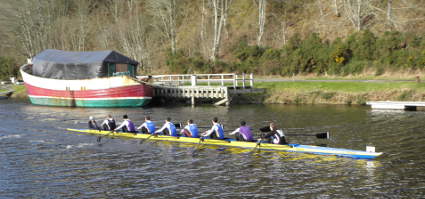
<point x="357" y="154"/>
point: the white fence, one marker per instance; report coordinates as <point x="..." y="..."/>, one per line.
<point x="226" y="79"/>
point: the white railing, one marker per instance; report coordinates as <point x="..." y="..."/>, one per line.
<point x="225" y="79"/>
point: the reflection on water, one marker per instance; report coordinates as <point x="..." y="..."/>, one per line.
<point x="37" y="154"/>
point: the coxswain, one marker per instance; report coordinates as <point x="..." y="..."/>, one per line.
<point x="93" y="124"/>
<point x="243" y="133"/>
<point x="190" y="130"/>
<point x="168" y="128"/>
<point x="148" y="127"/>
<point x="109" y="124"/>
<point x="274" y="135"/>
<point x="216" y="131"/>
<point x="126" y="126"/>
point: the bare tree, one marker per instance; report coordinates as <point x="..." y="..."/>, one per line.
<point x="358" y="12"/>
<point x="320" y="5"/>
<point x="166" y="13"/>
<point x="262" y="4"/>
<point x="132" y="31"/>
<point x="336" y="8"/>
<point x="133" y="39"/>
<point x="80" y="34"/>
<point x="220" y="9"/>
<point x="203" y="29"/>
<point x="284" y="32"/>
<point x="35" y="24"/>
<point x="389" y="12"/>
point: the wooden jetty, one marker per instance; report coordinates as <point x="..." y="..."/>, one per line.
<point x="395" y="105"/>
<point x="219" y="87"/>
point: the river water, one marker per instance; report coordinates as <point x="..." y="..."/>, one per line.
<point x="40" y="159"/>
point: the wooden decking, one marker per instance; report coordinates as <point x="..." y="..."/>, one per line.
<point x="219" y="87"/>
<point x="395" y="105"/>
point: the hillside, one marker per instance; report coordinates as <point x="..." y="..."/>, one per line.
<point x="298" y="36"/>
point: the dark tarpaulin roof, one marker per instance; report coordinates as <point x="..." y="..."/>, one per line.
<point x="60" y="64"/>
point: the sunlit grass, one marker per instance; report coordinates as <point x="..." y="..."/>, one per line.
<point x="350" y="87"/>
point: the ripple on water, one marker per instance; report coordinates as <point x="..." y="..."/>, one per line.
<point x="41" y="157"/>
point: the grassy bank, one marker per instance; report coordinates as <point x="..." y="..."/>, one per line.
<point x="19" y="91"/>
<point x="339" y="92"/>
<point x="319" y="92"/>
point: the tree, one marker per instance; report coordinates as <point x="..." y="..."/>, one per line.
<point x="79" y="35"/>
<point x="261" y="19"/>
<point x="336" y="8"/>
<point x="133" y="35"/>
<point x="7" y="67"/>
<point x="358" y="12"/>
<point x="220" y="10"/>
<point x="35" y="24"/>
<point x="165" y="12"/>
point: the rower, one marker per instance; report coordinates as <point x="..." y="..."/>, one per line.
<point x="148" y="127"/>
<point x="190" y="130"/>
<point x="168" y="128"/>
<point x="109" y="124"/>
<point x="92" y="123"/>
<point x="243" y="133"/>
<point x="275" y="136"/>
<point x="216" y="131"/>
<point x="127" y="125"/>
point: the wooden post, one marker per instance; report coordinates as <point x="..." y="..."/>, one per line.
<point x="222" y="80"/>
<point x="193" y="80"/>
<point x="251" y="81"/>
<point x="192" y="100"/>
<point x="235" y="81"/>
<point x="243" y="80"/>
<point x="227" y="96"/>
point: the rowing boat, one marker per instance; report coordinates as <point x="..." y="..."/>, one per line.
<point x="357" y="154"/>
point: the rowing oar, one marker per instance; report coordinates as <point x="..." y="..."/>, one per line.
<point x="201" y="139"/>
<point x="100" y="137"/>
<point x="142" y="141"/>
<point x="325" y="135"/>
<point x="257" y="146"/>
<point x="318" y="135"/>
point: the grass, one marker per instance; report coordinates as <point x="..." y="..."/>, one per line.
<point x="348" y="87"/>
<point x="341" y="92"/>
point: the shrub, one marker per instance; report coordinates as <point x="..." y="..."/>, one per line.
<point x="8" y="68"/>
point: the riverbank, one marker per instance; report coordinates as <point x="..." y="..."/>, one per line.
<point x="19" y="91"/>
<point x="318" y="92"/>
<point x="339" y="92"/>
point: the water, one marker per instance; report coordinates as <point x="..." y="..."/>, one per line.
<point x="39" y="159"/>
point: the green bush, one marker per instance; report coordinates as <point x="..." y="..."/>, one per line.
<point x="8" y="68"/>
<point x="359" y="51"/>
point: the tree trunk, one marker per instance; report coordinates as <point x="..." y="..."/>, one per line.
<point x="356" y="12"/>
<point x="166" y="12"/>
<point x="389" y="12"/>
<point x="220" y="9"/>
<point x="336" y="8"/>
<point x="202" y="31"/>
<point x="261" y="20"/>
<point x="284" y="32"/>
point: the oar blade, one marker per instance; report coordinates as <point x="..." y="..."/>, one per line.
<point x="143" y="141"/>
<point x="323" y="135"/>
